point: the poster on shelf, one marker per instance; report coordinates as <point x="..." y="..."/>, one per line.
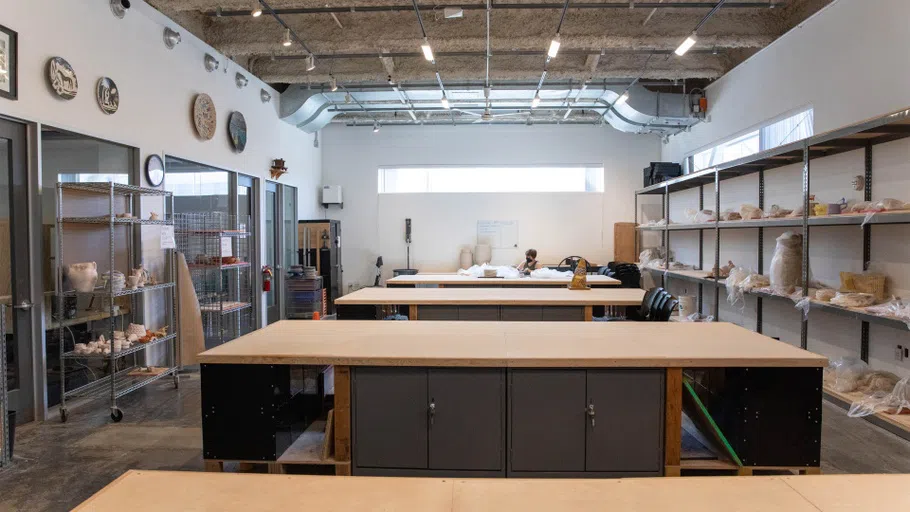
<point x="226" y="247"/>
<point x="167" y="237"/>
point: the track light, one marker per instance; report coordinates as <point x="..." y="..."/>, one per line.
<point x="333" y="84"/>
<point x="311" y="62"/>
<point x="287" y="38"/>
<point x="622" y="99"/>
<point x="211" y="63"/>
<point x="241" y="80"/>
<point x="347" y="97"/>
<point x="445" y="102"/>
<point x="427" y="50"/>
<point x="265" y="96"/>
<point x="554" y="47"/>
<point x="375" y="126"/>
<point x="257" y="9"/>
<point x="686" y="45"/>
<point x="171" y="38"/>
<point x="536" y="101"/>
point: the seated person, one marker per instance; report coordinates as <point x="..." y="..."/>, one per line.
<point x="530" y="262"/>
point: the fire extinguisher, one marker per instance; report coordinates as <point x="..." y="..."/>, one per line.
<point x="267" y="274"/>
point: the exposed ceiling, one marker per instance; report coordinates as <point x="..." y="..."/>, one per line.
<point x="368" y="43"/>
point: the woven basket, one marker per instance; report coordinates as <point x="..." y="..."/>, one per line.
<point x="875" y="284"/>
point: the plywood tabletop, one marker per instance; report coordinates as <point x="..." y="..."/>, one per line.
<point x="510" y="344"/>
<point x="494" y="296"/>
<point x="450" y="279"/>
<point x="141" y="491"/>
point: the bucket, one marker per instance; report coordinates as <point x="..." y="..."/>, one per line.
<point x="687" y="305"/>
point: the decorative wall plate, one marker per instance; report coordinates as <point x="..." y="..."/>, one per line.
<point x="204" y="116"/>
<point x="62" y="78"/>
<point x="237" y="131"/>
<point x="108" y="96"/>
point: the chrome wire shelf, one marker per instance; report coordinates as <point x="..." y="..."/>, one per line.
<point x="138" y="347"/>
<point x="102" y="292"/>
<point x="124" y="383"/>
<point x="214" y="309"/>
<point x="116" y="188"/>
<point x="200" y="266"/>
<point x="101" y="219"/>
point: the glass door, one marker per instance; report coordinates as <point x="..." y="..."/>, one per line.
<point x="15" y="272"/>
<point x="289" y="255"/>
<point x="272" y="251"/>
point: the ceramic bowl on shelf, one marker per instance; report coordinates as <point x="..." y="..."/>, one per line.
<point x="82" y="276"/>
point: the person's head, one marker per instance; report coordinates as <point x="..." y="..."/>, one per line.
<point x="531" y="254"/>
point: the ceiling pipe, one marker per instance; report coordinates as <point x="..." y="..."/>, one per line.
<point x="524" y="53"/>
<point x="506" y="6"/>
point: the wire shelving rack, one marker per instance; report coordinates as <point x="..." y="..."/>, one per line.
<point x="123" y="372"/>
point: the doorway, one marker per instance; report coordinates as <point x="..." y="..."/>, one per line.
<point x="280" y="243"/>
<point x="16" y="270"/>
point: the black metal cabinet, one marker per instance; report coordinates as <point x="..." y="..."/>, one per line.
<point x="428" y="421"/>
<point x="586" y="422"/>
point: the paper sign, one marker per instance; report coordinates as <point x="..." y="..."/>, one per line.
<point x="499" y="234"/>
<point x="226" y="246"/>
<point x="167" y="237"/>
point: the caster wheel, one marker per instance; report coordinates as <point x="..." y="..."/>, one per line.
<point x="63" y="415"/>
<point x="116" y="415"/>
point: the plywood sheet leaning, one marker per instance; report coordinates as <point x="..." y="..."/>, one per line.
<point x="191" y="336"/>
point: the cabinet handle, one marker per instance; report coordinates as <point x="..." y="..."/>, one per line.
<point x="432" y="411"/>
<point x="590" y="411"/>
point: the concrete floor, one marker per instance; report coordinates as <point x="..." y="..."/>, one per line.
<point x="57" y="466"/>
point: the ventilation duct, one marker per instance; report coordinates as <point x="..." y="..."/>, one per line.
<point x="644" y="112"/>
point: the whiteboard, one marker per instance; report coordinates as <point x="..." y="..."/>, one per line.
<point x="499" y="234"/>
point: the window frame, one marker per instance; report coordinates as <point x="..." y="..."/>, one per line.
<point x="598" y="183"/>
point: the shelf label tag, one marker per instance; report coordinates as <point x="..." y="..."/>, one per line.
<point x="226" y="246"/>
<point x="167" y="237"/>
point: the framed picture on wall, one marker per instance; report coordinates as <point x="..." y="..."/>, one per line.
<point x="9" y="63"/>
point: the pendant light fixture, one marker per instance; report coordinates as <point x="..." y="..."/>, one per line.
<point x="287" y="38"/>
<point x="445" y="102"/>
<point x="427" y="50"/>
<point x="554" y="47"/>
<point x="536" y="101"/>
<point x="310" y="62"/>
<point x="375" y="126"/>
<point x="333" y="84"/>
<point x="257" y="9"/>
<point x="686" y="45"/>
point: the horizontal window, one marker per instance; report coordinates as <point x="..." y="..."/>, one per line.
<point x="784" y="131"/>
<point x="457" y="179"/>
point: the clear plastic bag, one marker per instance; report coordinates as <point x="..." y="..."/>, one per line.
<point x="501" y="271"/>
<point x="777" y="212"/>
<point x="853" y="300"/>
<point x="804" y="304"/>
<point x="843" y="374"/>
<point x="825" y="294"/>
<point x="859" y="207"/>
<point x="734" y="285"/>
<point x="895" y="402"/>
<point x="786" y="264"/>
<point x="887" y="205"/>
<point x="697" y="217"/>
<point x="750" y="212"/>
<point x="549" y="273"/>
<point x="730" y="215"/>
<point x="894" y="308"/>
<point x="697" y="317"/>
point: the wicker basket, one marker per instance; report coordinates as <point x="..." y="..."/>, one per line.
<point x="875" y="284"/>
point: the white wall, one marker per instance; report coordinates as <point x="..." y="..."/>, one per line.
<point x="556" y="224"/>
<point x="157" y="87"/>
<point x="849" y="62"/>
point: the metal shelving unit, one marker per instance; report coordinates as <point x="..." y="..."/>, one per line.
<point x="118" y="364"/>
<point x="863" y="136"/>
<point x="224" y="288"/>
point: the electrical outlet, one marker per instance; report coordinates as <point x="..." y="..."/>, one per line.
<point x="899" y="353"/>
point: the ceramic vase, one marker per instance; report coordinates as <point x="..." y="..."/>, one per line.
<point x="83" y="276"/>
<point x="466" y="259"/>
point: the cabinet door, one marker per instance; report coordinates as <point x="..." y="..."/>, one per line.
<point x="627" y="433"/>
<point x="390" y="417"/>
<point x="467" y="418"/>
<point x="547" y="420"/>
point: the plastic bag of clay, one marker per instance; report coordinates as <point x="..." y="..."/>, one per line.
<point x="697" y="317"/>
<point x="804" y="304"/>
<point x="875" y="381"/>
<point x="853" y="300"/>
<point x="730" y="215"/>
<point x="825" y="294"/>
<point x="705" y="216"/>
<point x="777" y="212"/>
<point x="894" y="308"/>
<point x="750" y="212"/>
<point x="895" y="402"/>
<point x="867" y="282"/>
<point x="859" y="207"/>
<point x="734" y="284"/>
<point x="843" y="374"/>
<point x="549" y="273"/>
<point x="755" y="282"/>
<point x="507" y="272"/>
<point x="887" y="205"/>
<point x="786" y="263"/>
<point x="796" y="212"/>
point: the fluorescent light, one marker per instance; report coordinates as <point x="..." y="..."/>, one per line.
<point x="536" y="100"/>
<point x="686" y="45"/>
<point x="445" y="102"/>
<point x="427" y="51"/>
<point x="622" y="99"/>
<point x="287" y="38"/>
<point x="554" y="47"/>
<point x="257" y="9"/>
<point x="311" y="62"/>
<point x="333" y="84"/>
<point x="375" y="127"/>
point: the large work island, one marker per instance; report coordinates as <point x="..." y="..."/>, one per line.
<point x="527" y="304"/>
<point x="524" y="399"/>
<point x="458" y="281"/>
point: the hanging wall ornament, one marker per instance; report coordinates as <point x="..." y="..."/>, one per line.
<point x="237" y="131"/>
<point x="62" y="78"/>
<point x="107" y="95"/>
<point x="204" y="117"/>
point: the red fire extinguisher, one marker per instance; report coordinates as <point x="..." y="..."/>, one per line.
<point x="267" y="274"/>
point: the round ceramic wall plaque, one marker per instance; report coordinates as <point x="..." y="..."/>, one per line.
<point x="237" y="131"/>
<point x="62" y="78"/>
<point x="108" y="96"/>
<point x="204" y="116"/>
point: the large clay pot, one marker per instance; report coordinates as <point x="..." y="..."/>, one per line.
<point x="466" y="259"/>
<point x="482" y="254"/>
<point x="83" y="276"/>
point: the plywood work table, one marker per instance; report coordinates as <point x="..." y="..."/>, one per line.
<point x="141" y="491"/>
<point x="429" y="398"/>
<point x="455" y="280"/>
<point x="507" y="304"/>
